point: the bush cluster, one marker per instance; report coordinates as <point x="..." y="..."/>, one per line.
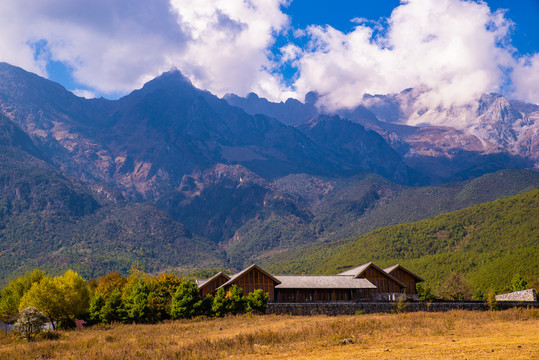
<point x="136" y="298"/>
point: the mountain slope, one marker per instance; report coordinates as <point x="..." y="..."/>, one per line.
<point x="50" y="221"/>
<point x="444" y="144"/>
<point x="488" y="243"/>
<point x="144" y="143"/>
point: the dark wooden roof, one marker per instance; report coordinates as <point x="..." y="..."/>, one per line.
<point x="390" y="269"/>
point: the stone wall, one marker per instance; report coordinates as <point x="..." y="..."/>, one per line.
<point x="351" y="308"/>
<point x="523" y="295"/>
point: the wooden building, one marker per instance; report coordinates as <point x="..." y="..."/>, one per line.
<point x="405" y="276"/>
<point x="316" y="288"/>
<point x="210" y="285"/>
<point x="385" y="284"/>
<point x="365" y="282"/>
<point x="251" y="279"/>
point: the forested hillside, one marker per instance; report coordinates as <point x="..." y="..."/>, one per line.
<point x="488" y="243"/>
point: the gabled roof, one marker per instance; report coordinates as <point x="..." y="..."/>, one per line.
<point x="322" y="282"/>
<point x="390" y="269"/>
<point x="235" y="276"/>
<point x="358" y="271"/>
<point x="201" y="283"/>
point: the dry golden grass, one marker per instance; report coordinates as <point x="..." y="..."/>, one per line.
<point x="453" y="335"/>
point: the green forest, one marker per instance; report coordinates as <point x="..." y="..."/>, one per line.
<point x="487" y="243"/>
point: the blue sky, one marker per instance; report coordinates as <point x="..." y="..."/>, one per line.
<point x="280" y="48"/>
<point x="524" y="13"/>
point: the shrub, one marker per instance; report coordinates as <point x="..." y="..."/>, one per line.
<point x="257" y="301"/>
<point x="491" y="300"/>
<point x="237" y="304"/>
<point x="30" y="322"/>
<point x="220" y="303"/>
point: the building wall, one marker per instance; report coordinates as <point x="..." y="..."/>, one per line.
<point x="383" y="283"/>
<point x="255" y="279"/>
<point x="209" y="288"/>
<point x="318" y="295"/>
<point x="405" y="278"/>
<point x="351" y="308"/>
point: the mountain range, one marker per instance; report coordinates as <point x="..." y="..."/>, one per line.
<point x="443" y="143"/>
<point x="172" y="177"/>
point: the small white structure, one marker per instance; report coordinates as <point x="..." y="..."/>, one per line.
<point x="522" y="295"/>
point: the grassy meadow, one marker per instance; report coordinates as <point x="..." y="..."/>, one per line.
<point x="453" y="335"/>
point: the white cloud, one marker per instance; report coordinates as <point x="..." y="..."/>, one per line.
<point x="457" y="48"/>
<point x="450" y="46"/>
<point x="84" y="93"/>
<point x="230" y="41"/>
<point x="116" y="46"/>
<point x="525" y="79"/>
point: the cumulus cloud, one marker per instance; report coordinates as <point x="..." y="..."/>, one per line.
<point x="229" y="44"/>
<point x="110" y="46"/>
<point x="455" y="48"/>
<point x="458" y="49"/>
<point x="525" y="78"/>
<point x="116" y="46"/>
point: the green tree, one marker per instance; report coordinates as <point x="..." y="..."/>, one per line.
<point x="61" y="298"/>
<point x="136" y="302"/>
<point x="75" y="292"/>
<point x="186" y="301"/>
<point x="96" y="305"/>
<point x="30" y="322"/>
<point x="162" y="289"/>
<point x="206" y="305"/>
<point x="220" y="303"/>
<point x="46" y="297"/>
<point x="257" y="301"/>
<point x="11" y="295"/>
<point x="491" y="299"/>
<point x="518" y="283"/>
<point x="425" y="292"/>
<point x="113" y="310"/>
<point x="237" y="304"/>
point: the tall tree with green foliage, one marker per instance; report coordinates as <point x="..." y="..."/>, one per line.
<point x="11" y="295"/>
<point x="60" y="298"/>
<point x="96" y="305"/>
<point x="46" y="297"/>
<point x="186" y="302"/>
<point x="136" y="300"/>
<point x="75" y="292"/>
<point x="162" y="290"/>
<point x="113" y="310"/>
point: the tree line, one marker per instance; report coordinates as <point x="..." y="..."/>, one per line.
<point x="136" y="298"/>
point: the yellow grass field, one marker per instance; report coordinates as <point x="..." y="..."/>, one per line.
<point x="510" y="334"/>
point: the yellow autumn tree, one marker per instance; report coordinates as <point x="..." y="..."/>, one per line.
<point x="59" y="298"/>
